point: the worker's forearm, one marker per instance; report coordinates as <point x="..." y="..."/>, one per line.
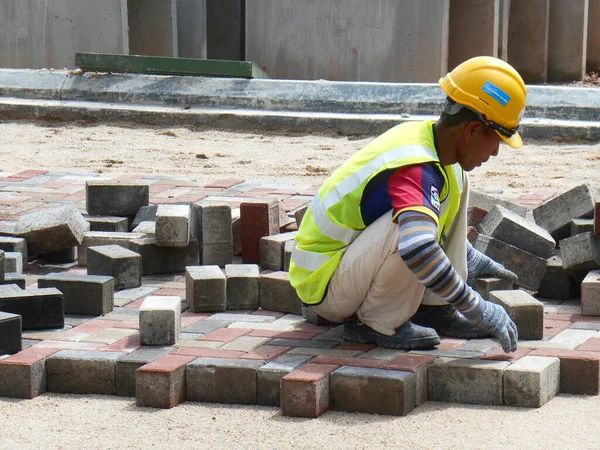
<point x="419" y="248"/>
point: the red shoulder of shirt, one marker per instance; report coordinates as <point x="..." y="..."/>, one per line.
<point x="416" y="188"/>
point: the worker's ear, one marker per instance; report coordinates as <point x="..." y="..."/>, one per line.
<point x="472" y="127"/>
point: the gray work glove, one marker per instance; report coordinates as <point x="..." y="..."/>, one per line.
<point x="493" y="319"/>
<point x="480" y="265"/>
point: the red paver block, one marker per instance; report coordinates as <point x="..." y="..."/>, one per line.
<point x="13" y="200"/>
<point x="291" y="204"/>
<point x="161" y="383"/>
<point x="23" y="375"/>
<point x="126" y="345"/>
<point x="257" y="219"/>
<point x="450" y="343"/>
<point x="553" y="327"/>
<point x="190" y="318"/>
<point x="28" y="174"/>
<point x="305" y="391"/>
<point x="224" y="183"/>
<point x="498" y="354"/>
<point x="304" y="335"/>
<point x="597" y="219"/>
<point x="356" y="347"/>
<point x="208" y="353"/>
<point x="156" y="188"/>
<point x="129" y="324"/>
<point x="57" y="184"/>
<point x="475" y="216"/>
<point x="591" y="345"/>
<point x="224" y="334"/>
<point x="135" y="304"/>
<point x="94" y="326"/>
<point x="579" y="370"/>
<point x="170" y="292"/>
<point x="417" y="364"/>
<point x="353" y="362"/>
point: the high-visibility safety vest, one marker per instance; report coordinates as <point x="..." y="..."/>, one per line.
<point x="333" y="220"/>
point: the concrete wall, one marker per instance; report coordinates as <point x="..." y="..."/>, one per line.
<point x="47" y="33"/>
<point x="528" y="39"/>
<point x="567" y="40"/>
<point x="593" y="37"/>
<point x="378" y="40"/>
<point x="225" y="28"/>
<point x="152" y="27"/>
<point x="473" y="30"/>
<point x="191" y="28"/>
<point x="504" y="19"/>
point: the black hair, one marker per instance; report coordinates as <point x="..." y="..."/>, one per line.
<point x="463" y="115"/>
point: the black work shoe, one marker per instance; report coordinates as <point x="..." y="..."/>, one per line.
<point x="447" y="321"/>
<point x="408" y="337"/>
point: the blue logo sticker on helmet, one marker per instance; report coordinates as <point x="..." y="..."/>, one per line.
<point x="496" y="93"/>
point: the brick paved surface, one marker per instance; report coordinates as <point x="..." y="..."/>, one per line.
<point x="250" y="339"/>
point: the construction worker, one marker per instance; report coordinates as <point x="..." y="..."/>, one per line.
<point x="383" y="245"/>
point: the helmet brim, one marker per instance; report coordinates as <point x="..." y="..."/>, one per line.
<point x="514" y="141"/>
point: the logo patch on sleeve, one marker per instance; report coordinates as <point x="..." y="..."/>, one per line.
<point x="435" y="198"/>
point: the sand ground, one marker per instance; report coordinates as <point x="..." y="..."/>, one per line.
<point x="54" y="421"/>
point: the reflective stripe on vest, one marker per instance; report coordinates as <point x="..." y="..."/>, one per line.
<point x="307" y="259"/>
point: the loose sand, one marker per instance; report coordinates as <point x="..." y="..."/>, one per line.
<point x="54" y="421"/>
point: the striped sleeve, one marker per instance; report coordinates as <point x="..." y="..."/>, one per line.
<point x="420" y="250"/>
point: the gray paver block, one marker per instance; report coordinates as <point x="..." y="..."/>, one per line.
<point x="305" y="391"/>
<point x="532" y="381"/>
<point x="590" y="294"/>
<point x="14" y="278"/>
<point x="578" y="226"/>
<point x="14" y="244"/>
<point x="218" y="380"/>
<point x="206" y="288"/>
<point x="277" y="294"/>
<point x="148" y="228"/>
<point x="38" y="308"/>
<point x="112" y="224"/>
<point x="173" y="225"/>
<point x="84" y="294"/>
<point x="145" y="214"/>
<point x="526" y="312"/>
<point x="124" y="265"/>
<point x="157" y="260"/>
<point x="581" y="252"/>
<point x="160" y="320"/>
<point x="466" y="381"/>
<point x="108" y="198"/>
<point x="10" y="333"/>
<point x="557" y="212"/>
<point x="287" y="254"/>
<point x="82" y="372"/>
<point x="97" y="238"/>
<point x="557" y="283"/>
<point x="236" y="232"/>
<point x="272" y="250"/>
<point x="13" y="262"/>
<point x="488" y="284"/>
<point x="52" y="229"/>
<point x="269" y="377"/>
<point x="216" y="234"/>
<point x="243" y="282"/>
<point x="128" y="364"/>
<point x="505" y="225"/>
<point x="23" y="375"/>
<point x="64" y="256"/>
<point x="372" y="391"/>
<point x="529" y="268"/>
<point x="487" y="202"/>
<point x="161" y="383"/>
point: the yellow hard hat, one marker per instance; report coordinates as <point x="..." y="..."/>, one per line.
<point x="492" y="89"/>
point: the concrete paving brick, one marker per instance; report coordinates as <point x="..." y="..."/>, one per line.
<point x="134" y="293"/>
<point x="479" y="345"/>
<point x="580" y="252"/>
<point x="160" y="320"/>
<point x="269" y="377"/>
<point x="304" y="343"/>
<point x="124" y="265"/>
<point x="112" y="224"/>
<point x="145" y="214"/>
<point x="173" y="225"/>
<point x="13" y="262"/>
<point x="126" y="345"/>
<point x="463" y="354"/>
<point x="245" y="343"/>
<point x="148" y="228"/>
<point x="206" y="326"/>
<point x="417" y="364"/>
<point x="323" y="352"/>
<point x="272" y="250"/>
<point x="236" y="232"/>
<point x="97" y="238"/>
<point x="216" y="380"/>
<point x="466" y="381"/>
<point x="109" y="335"/>
<point x="572" y="338"/>
<point x="206" y="288"/>
<point x="475" y="216"/>
<point x="241" y="316"/>
<point x="596" y="229"/>
<point x="196" y="343"/>
<point x="23" y="375"/>
<point x="579" y="371"/>
<point x="14" y="244"/>
<point x="110" y="198"/>
<point x="526" y="312"/>
<point x="224" y="335"/>
<point x="52" y="229"/>
<point x="529" y="268"/>
<point x="287" y="254"/>
<point x="38" y="308"/>
<point x="590" y="294"/>
<point x="304" y="335"/>
<point x="373" y="391"/>
<point x="556" y="213"/>
<point x="556" y="284"/>
<point x="532" y="381"/>
<point x="243" y="282"/>
<point x="83" y="294"/>
<point x="506" y="226"/>
<point x="499" y="355"/>
<point x="159" y="260"/>
<point x="577" y="226"/>
<point x="128" y="364"/>
<point x="10" y="333"/>
<point x="64" y="256"/>
<point x="257" y="219"/>
<point x="215" y="234"/>
<point x="488" y="284"/>
<point x="381" y="353"/>
<point x="14" y="278"/>
<point x="277" y="294"/>
<point x="585" y="325"/>
<point x="591" y="345"/>
<point x="554" y="327"/>
<point x="82" y="372"/>
<point x="486" y="202"/>
<point x="162" y="382"/>
<point x="305" y="391"/>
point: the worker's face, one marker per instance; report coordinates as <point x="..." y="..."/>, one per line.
<point x="479" y="143"/>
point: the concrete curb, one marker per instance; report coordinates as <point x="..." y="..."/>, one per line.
<point x="343" y="107"/>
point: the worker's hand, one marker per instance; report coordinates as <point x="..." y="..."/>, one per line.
<point x="493" y="319"/>
<point x="480" y="265"/>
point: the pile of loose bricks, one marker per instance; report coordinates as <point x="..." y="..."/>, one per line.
<point x="176" y="299"/>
